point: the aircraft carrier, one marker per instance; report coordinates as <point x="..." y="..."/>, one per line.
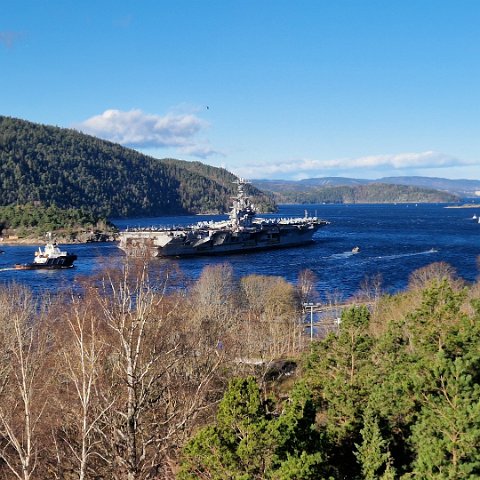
<point x="243" y="231"/>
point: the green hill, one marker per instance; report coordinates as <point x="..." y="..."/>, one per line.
<point x="303" y="192"/>
<point x="48" y="165"/>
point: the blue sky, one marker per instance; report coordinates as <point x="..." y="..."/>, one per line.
<point x="265" y="88"/>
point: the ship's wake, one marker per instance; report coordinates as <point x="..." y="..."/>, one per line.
<point x="347" y="254"/>
<point x="337" y="256"/>
<point x="412" y="254"/>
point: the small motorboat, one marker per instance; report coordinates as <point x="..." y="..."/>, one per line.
<point x="51" y="258"/>
<point x="355" y="249"/>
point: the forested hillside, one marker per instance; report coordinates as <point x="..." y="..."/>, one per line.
<point x="304" y="192"/>
<point x="63" y="167"/>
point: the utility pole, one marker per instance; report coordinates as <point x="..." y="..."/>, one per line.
<point x="311" y="305"/>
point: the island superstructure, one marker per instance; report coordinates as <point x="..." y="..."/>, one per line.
<point x="243" y="231"/>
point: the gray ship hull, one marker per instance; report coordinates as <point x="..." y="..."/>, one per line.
<point x="154" y="244"/>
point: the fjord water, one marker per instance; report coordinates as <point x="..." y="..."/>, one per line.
<point x="394" y="240"/>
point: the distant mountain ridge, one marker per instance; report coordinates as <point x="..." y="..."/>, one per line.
<point x="56" y="166"/>
<point x="350" y="190"/>
<point x="463" y="188"/>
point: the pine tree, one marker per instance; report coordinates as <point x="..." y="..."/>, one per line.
<point x="447" y="434"/>
<point x="248" y="443"/>
<point x="337" y="372"/>
<point x="373" y="453"/>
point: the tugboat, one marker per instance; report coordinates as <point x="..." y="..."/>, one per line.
<point x="242" y="232"/>
<point x="50" y="258"/>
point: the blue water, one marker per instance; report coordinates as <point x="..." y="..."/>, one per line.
<point x="394" y="241"/>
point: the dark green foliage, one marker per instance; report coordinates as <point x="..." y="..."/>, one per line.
<point x="63" y="167"/>
<point x="249" y="441"/>
<point x="38" y="219"/>
<point x="404" y="403"/>
<point x="337" y="371"/>
<point x="373" y="453"/>
<point x="439" y="312"/>
<point x="446" y="437"/>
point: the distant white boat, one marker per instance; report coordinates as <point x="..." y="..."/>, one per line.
<point x="474" y="217"/>
<point x="355" y="249"/>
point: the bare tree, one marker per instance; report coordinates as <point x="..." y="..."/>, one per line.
<point x="80" y="353"/>
<point x="270" y="305"/>
<point x="21" y="404"/>
<point x="151" y="375"/>
<point x="306" y="286"/>
<point x="371" y="291"/>
<point x="274" y="305"/>
<point x="214" y="297"/>
<point x="371" y="288"/>
<point x="424" y="276"/>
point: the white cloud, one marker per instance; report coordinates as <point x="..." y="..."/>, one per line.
<point x="429" y="159"/>
<point x="200" y="151"/>
<point x="136" y="128"/>
<point x="304" y="168"/>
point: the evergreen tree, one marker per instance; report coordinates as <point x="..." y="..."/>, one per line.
<point x="338" y="371"/>
<point x="430" y="324"/>
<point x="248" y="442"/>
<point x="373" y="454"/>
<point x="447" y="434"/>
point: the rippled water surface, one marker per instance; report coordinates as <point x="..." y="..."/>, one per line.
<point x="394" y="240"/>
